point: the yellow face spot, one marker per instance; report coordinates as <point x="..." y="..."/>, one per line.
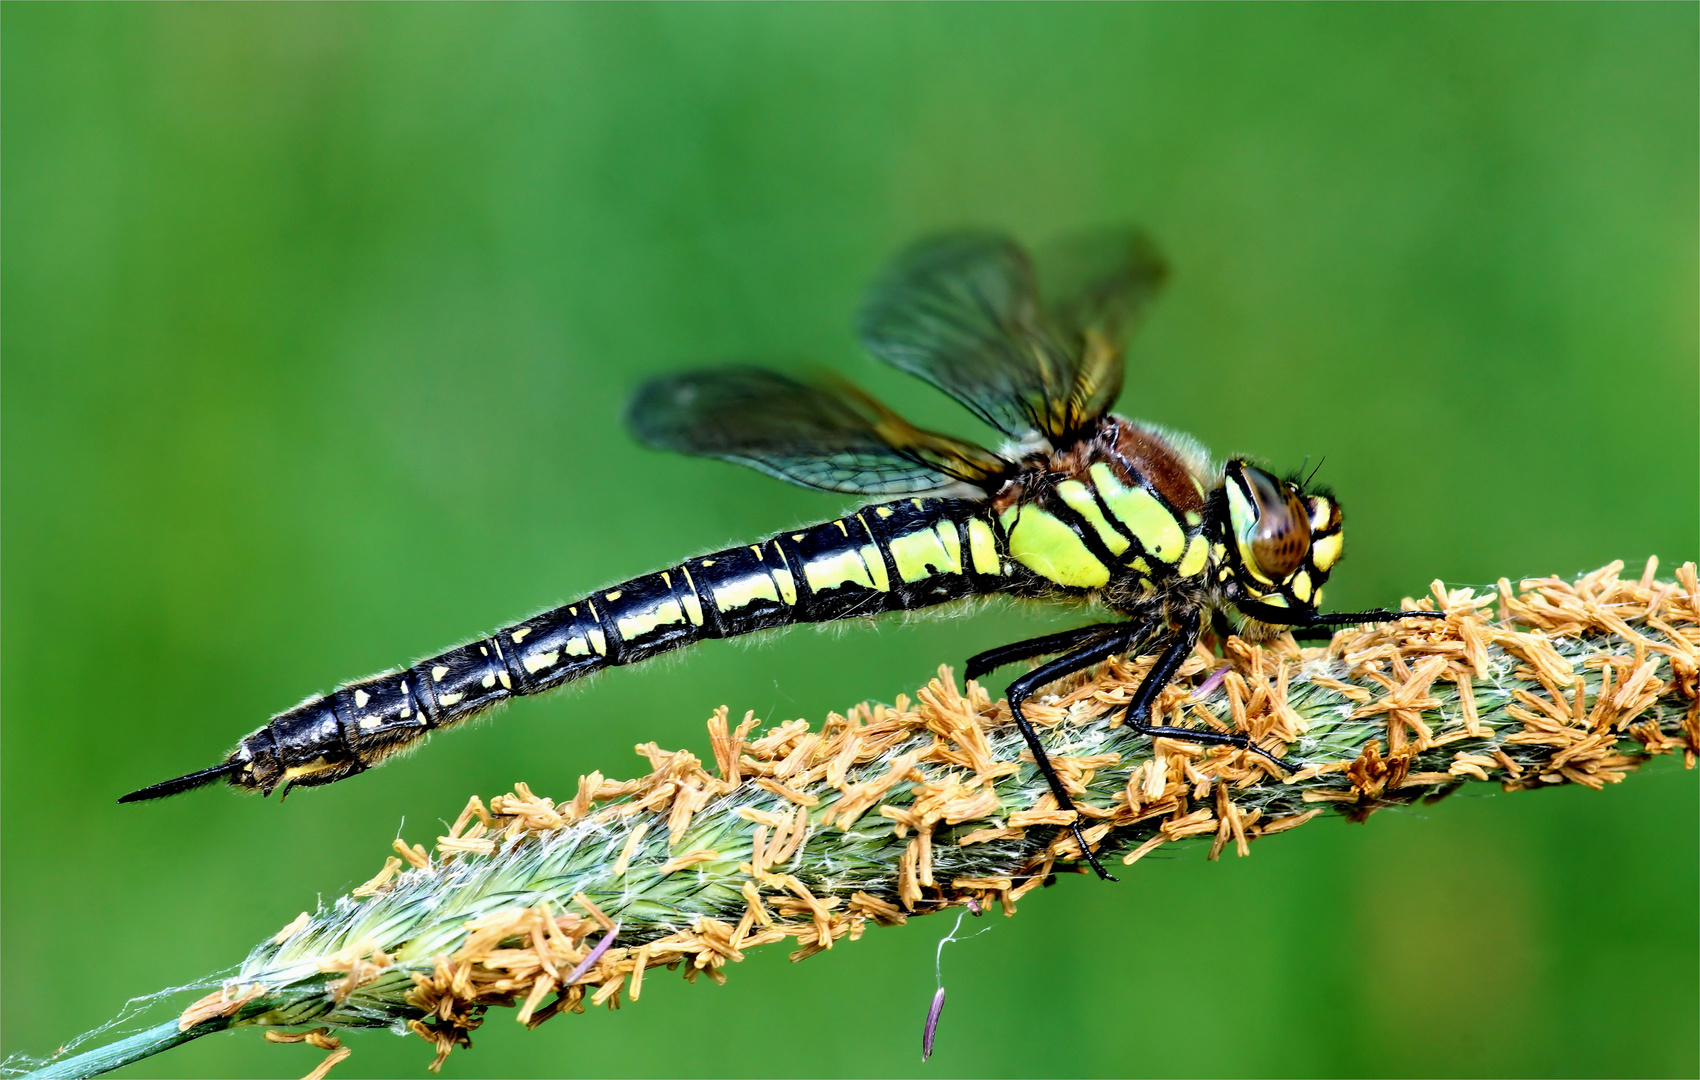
<point x="1326" y="552"/>
<point x="662" y="614"/>
<point x="1301" y="587"/>
<point x="1194" y="518"/>
<point x="534" y="664"/>
<point x="732" y="595"/>
<point x="1080" y="500"/>
<point x="1197" y="553"/>
<point x="1141" y="565"/>
<point x="833" y="571"/>
<point x="922" y="553"/>
<point x="1050" y="549"/>
<point x="1320" y="512"/>
<point x="1145" y="517"/>
<point x="1218" y="552"/>
<point x="983" y="548"/>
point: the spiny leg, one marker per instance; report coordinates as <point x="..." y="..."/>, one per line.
<point x="1161" y="674"/>
<point x="1022" y="689"/>
<point x="1318" y="625"/>
<point x="1049" y="645"/>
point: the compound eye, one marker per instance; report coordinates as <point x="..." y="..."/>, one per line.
<point x="1281" y="535"/>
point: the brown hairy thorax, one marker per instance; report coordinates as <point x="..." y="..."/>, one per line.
<point x="1139" y="455"/>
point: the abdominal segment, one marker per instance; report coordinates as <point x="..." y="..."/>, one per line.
<point x="898" y="556"/>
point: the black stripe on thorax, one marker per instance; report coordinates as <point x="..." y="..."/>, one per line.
<point x="1053" y="503"/>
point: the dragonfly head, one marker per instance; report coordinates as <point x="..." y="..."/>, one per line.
<point x="1281" y="542"/>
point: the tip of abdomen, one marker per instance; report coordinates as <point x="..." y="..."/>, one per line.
<point x="179" y="785"/>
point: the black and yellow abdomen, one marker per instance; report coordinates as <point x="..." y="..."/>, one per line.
<point x="897" y="556"/>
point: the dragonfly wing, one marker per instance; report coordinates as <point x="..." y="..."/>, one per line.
<point x="829" y="437"/>
<point x="964" y="311"/>
<point x="1096" y="286"/>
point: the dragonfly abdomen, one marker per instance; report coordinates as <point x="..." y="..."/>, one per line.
<point x="897" y="556"/>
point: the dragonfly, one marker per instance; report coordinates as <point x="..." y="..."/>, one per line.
<point x="1078" y="506"/>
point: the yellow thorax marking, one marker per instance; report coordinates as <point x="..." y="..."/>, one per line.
<point x="1145" y="517"/>
<point x="1050" y="549"/>
<point x="1197" y="554"/>
<point x="1079" y="499"/>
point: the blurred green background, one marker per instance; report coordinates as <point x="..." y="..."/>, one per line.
<point x="319" y="320"/>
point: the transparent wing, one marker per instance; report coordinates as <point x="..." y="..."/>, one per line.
<point x="832" y="438"/>
<point x="1100" y="280"/>
<point x="1096" y="287"/>
<point x="961" y="311"/>
<point x="964" y="312"/>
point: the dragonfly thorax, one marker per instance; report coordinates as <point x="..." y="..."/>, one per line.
<point x="1120" y="511"/>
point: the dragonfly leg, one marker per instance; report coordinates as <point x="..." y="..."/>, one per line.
<point x="1162" y="673"/>
<point x="1318" y="626"/>
<point x="1023" y="688"/>
<point x="992" y="659"/>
